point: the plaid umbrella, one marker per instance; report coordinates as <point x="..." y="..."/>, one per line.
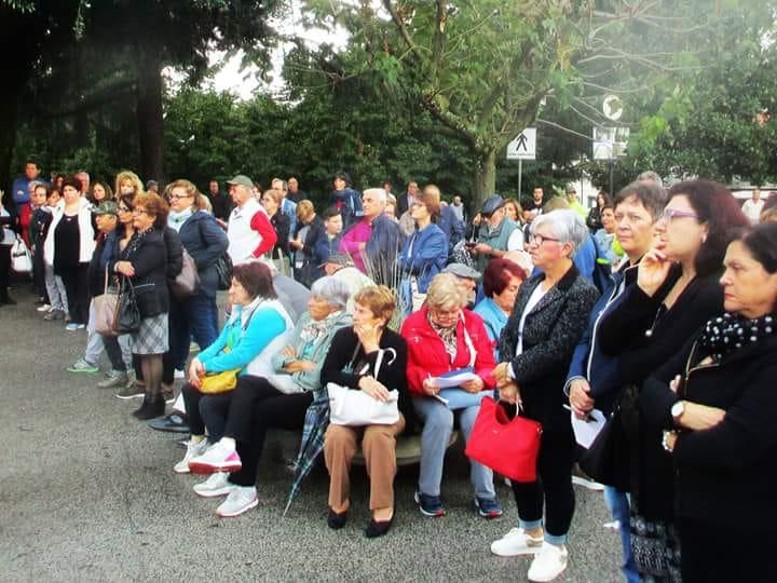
<point x="316" y="422"/>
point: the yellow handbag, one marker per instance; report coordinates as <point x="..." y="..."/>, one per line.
<point x="220" y="382"/>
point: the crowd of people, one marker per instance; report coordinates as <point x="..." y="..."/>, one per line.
<point x="655" y="309"/>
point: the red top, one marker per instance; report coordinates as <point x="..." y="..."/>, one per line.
<point x="260" y="223"/>
<point x="426" y="354"/>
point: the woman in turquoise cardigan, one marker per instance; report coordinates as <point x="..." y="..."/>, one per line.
<point x="501" y="281"/>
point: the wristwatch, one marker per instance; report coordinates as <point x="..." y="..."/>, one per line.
<point x="677" y="410"/>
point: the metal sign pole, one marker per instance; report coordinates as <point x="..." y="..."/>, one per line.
<point x="520" y="175"/>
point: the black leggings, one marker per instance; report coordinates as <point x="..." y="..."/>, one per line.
<point x="256" y="406"/>
<point x="245" y="414"/>
<point x="76" y="286"/>
<point x="5" y="268"/>
<point x="553" y="486"/>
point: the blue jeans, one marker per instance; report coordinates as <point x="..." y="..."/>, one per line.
<point x="618" y="503"/>
<point x="438" y="426"/>
<point x="195" y="317"/>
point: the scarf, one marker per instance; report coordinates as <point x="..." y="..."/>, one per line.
<point x="134" y="243"/>
<point x="313" y="332"/>
<point x="175" y="220"/>
<point x="724" y="334"/>
<point x="447" y="335"/>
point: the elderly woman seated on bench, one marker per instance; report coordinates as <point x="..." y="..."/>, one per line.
<point x="276" y="398"/>
<point x="444" y="338"/>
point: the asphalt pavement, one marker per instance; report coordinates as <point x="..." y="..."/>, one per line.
<point x="87" y="493"/>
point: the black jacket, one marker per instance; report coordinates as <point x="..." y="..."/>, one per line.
<point x="725" y="476"/>
<point x="551" y="332"/>
<point x="392" y="373"/>
<point x="622" y="333"/>
<point x="151" y="270"/>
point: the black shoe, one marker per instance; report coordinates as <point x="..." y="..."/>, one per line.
<point x="336" y="521"/>
<point x="174" y="423"/>
<point x="143" y="406"/>
<point x="154" y="408"/>
<point x="375" y="529"/>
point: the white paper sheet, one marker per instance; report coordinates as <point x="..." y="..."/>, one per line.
<point x="586" y="430"/>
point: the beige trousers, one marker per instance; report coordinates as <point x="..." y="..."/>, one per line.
<point x="378" y="445"/>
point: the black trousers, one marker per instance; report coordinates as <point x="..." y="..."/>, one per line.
<point x="77" y="290"/>
<point x="255" y="407"/>
<point x="553" y="487"/>
<point x="5" y="269"/>
<point x="712" y="553"/>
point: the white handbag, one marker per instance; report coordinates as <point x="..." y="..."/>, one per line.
<point x="21" y="258"/>
<point x="355" y="408"/>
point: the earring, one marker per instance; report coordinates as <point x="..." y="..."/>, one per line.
<point x="703" y="238"/>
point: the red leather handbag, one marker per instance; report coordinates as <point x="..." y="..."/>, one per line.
<point x="509" y="447"/>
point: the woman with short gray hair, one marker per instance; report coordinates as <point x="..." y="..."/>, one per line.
<point x="536" y="347"/>
<point x="277" y="400"/>
<point x="565" y="226"/>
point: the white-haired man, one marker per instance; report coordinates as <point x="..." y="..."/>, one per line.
<point x="373" y="241"/>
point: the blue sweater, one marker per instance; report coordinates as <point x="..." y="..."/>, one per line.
<point x="264" y="325"/>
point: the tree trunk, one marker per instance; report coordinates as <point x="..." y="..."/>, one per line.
<point x="17" y="36"/>
<point x="484" y="183"/>
<point x="151" y="126"/>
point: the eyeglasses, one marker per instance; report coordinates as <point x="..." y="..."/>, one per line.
<point x="139" y="212"/>
<point x="124" y="209"/>
<point x="178" y="196"/>
<point x="671" y="214"/>
<point x="540" y="239"/>
<point x="440" y="314"/>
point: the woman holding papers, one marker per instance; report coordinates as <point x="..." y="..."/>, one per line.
<point x="445" y="338"/>
<point x="536" y="346"/>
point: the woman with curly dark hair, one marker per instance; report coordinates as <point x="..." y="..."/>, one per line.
<point x="677" y="291"/>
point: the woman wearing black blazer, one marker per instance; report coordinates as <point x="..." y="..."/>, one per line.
<point x="536" y="348"/>
<point x="144" y="262"/>
<point x="677" y="291"/>
<point x="718" y="416"/>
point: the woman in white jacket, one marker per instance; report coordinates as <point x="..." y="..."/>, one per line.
<point x="69" y="246"/>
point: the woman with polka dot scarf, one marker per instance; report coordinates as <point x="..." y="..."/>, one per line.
<point x="720" y="427"/>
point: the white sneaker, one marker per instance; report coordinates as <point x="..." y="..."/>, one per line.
<point x="192" y="450"/>
<point x="516" y="542"/>
<point x="239" y="500"/>
<point x="221" y="457"/>
<point x="549" y="563"/>
<point x="44" y="308"/>
<point x="216" y="485"/>
<point x="586" y="483"/>
<point x="178" y="374"/>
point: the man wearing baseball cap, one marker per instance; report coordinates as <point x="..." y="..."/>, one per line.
<point x="498" y="234"/>
<point x="249" y="230"/>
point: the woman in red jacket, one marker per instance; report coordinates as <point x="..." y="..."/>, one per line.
<point x="442" y="338"/>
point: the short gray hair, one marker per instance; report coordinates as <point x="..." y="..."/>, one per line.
<point x="378" y="193"/>
<point x="332" y="289"/>
<point x="567" y="226"/>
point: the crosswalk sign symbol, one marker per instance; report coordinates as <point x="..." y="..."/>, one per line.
<point x="524" y="146"/>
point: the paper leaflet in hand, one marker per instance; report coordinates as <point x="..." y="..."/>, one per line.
<point x="587" y="429"/>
